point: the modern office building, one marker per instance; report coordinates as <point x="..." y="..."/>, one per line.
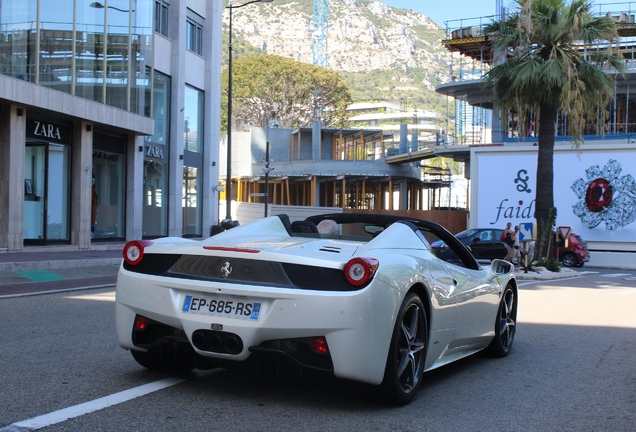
<point x="109" y="120"/>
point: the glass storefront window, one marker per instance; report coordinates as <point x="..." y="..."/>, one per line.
<point x="108" y="210"/>
<point x="57" y="227"/>
<point x="46" y="192"/>
<point x="156" y="170"/>
<point x="191" y="199"/>
<point x="34" y="187"/>
<point x="193" y="119"/>
<point x="155" y="210"/>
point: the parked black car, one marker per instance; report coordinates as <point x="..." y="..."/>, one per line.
<point x="485" y="243"/>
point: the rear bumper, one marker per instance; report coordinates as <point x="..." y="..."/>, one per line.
<point x="356" y="325"/>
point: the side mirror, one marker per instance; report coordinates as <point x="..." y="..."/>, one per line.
<point x="500" y="267"/>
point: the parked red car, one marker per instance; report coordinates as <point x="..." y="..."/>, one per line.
<point x="576" y="252"/>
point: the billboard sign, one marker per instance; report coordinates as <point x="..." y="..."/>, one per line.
<point x="594" y="192"/>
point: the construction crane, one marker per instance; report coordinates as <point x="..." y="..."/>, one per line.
<point x="319" y="33"/>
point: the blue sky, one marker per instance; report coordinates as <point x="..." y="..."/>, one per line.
<point x="447" y="10"/>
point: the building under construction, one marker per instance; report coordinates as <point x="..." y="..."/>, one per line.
<point x="345" y="168"/>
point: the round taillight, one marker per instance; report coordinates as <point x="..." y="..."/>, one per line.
<point x="134" y="251"/>
<point x="359" y="271"/>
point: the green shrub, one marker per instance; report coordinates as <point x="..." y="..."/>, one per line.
<point x="552" y="264"/>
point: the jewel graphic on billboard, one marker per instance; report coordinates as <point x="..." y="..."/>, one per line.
<point x="605" y="196"/>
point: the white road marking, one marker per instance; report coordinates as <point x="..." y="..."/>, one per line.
<point x="617" y="275"/>
<point x="91" y="406"/>
<point x="108" y="296"/>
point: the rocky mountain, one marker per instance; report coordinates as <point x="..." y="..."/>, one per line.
<point x="383" y="52"/>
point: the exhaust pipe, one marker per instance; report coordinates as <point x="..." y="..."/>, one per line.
<point x="198" y="340"/>
<point x="231" y="345"/>
<point x="217" y="342"/>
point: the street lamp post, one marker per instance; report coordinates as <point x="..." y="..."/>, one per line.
<point x="270" y="124"/>
<point x="98" y="5"/>
<point x="228" y="182"/>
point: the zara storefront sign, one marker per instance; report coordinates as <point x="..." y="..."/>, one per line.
<point x="47" y="131"/>
<point x="154" y="151"/>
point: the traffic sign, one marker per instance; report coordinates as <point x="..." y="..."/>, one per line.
<point x="526" y="231"/>
<point x="565" y="231"/>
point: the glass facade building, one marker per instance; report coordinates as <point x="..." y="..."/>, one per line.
<point x="108" y="135"/>
<point x="99" y="51"/>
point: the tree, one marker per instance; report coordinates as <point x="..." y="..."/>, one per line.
<point x="547" y="69"/>
<point x="269" y="86"/>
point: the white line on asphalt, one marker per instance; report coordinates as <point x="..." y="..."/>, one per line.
<point x="91" y="406"/>
<point x="57" y="291"/>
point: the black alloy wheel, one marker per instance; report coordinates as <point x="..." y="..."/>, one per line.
<point x="505" y="325"/>
<point x="407" y="352"/>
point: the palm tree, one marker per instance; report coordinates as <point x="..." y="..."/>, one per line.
<point x="553" y="62"/>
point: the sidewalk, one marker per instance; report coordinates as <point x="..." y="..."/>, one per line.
<point x="42" y="270"/>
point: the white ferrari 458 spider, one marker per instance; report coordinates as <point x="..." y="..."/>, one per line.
<point x="360" y="296"/>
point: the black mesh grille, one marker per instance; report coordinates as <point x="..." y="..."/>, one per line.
<point x="157" y="264"/>
<point x="317" y="278"/>
<point x="229" y="270"/>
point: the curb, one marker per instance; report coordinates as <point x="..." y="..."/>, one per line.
<point x="545" y="275"/>
<point x="59" y="264"/>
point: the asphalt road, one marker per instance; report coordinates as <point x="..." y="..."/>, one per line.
<point x="572" y="369"/>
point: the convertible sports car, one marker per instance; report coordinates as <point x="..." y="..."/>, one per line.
<point x="365" y="300"/>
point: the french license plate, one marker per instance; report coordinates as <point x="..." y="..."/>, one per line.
<point x="221" y="306"/>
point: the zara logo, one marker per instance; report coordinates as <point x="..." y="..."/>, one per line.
<point x="46" y="130"/>
<point x="154" y="151"/>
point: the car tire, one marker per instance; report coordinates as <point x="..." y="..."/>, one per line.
<point x="505" y="324"/>
<point x="407" y="353"/>
<point x="569" y="260"/>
